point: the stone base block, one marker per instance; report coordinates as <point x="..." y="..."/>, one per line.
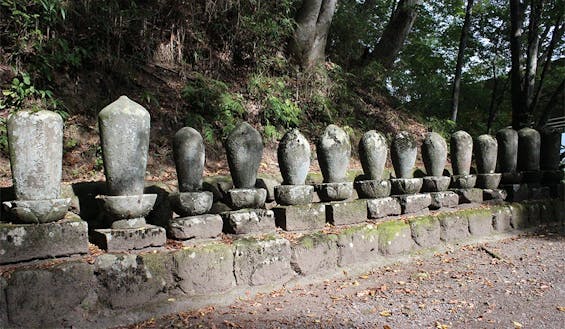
<point x="540" y="192"/>
<point x="372" y="189"/>
<point x="511" y="178"/>
<point x="463" y="181"/>
<point x="551" y="176"/>
<point x="37" y="211"/>
<point x="501" y="219"/>
<point x="195" y="227"/>
<point x="345" y="213"/>
<point x="453" y="227"/>
<point x="334" y="191"/>
<point x="130" y="238"/>
<point x="301" y="217"/>
<point x="378" y="208"/>
<point x="425" y="231"/>
<point x="249" y="221"/>
<point x="488" y="181"/>
<point x="435" y="184"/>
<point x="191" y="203"/>
<point x="516" y="192"/>
<point x="357" y="244"/>
<point x="240" y="198"/>
<point x="401" y="186"/>
<point x="22" y="242"/>
<point x="497" y="194"/>
<point x="314" y="253"/>
<point x="531" y="177"/>
<point x="287" y="195"/>
<point x="414" y="203"/>
<point x="480" y="222"/>
<point x="395" y="237"/>
<point x="445" y="199"/>
<point x="469" y="195"/>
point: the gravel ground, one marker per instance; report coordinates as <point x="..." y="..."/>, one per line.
<point x="514" y="283"/>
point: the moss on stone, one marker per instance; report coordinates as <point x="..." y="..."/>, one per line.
<point x="389" y="230"/>
<point x="157" y="264"/>
<point x="311" y="240"/>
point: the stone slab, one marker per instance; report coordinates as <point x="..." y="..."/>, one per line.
<point x="129" y="239"/>
<point x="379" y="208"/>
<point x="248" y="221"/>
<point x="195" y="227"/>
<point x="469" y="195"/>
<point x="346" y="213"/>
<point x="314" y="253"/>
<point x="454" y="227"/>
<point x="262" y="261"/>
<point x="425" y="231"/>
<point x="501" y="217"/>
<point x="395" y="237"/>
<point x="22" y="242"/>
<point x="480" y="222"/>
<point x="497" y="194"/>
<point x="519" y="218"/>
<point x="301" y="217"/>
<point x="358" y="244"/>
<point x="414" y="203"/>
<point x="446" y="199"/>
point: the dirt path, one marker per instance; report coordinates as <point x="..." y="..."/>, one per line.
<point x="514" y="283"/>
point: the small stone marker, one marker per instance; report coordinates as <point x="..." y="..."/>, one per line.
<point x="403" y="154"/>
<point x="549" y="160"/>
<point x="485" y="156"/>
<point x="461" y="156"/>
<point x="529" y="146"/>
<point x="189" y="154"/>
<point x="434" y="155"/>
<point x="124" y="135"/>
<point x="334" y="151"/>
<point x="507" y="159"/>
<point x="373" y="153"/>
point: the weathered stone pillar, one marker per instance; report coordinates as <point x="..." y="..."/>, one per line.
<point x="462" y="181"/>
<point x="434" y="155"/>
<point x="485" y="156"/>
<point x="373" y="151"/>
<point x="334" y="152"/>
<point x="124" y="135"/>
<point x="191" y="203"/>
<point x="549" y="159"/>
<point x="529" y="148"/>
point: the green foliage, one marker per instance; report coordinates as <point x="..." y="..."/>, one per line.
<point x="3" y="137"/>
<point x="444" y="127"/>
<point x="22" y="92"/>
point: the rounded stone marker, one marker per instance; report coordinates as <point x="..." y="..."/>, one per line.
<point x="434" y="154"/>
<point x="244" y="150"/>
<point x="461" y="152"/>
<point x="36" y="152"/>
<point x="550" y="148"/>
<point x="403" y="152"/>
<point x="529" y="145"/>
<point x="507" y="159"/>
<point x="334" y="151"/>
<point x="373" y="153"/>
<point x="124" y="135"/>
<point x="294" y="158"/>
<point x="486" y="153"/>
<point x="189" y="154"/>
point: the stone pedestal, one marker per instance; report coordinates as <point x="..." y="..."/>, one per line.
<point x="511" y="178"/>
<point x="531" y="176"/>
<point x="195" y="227"/>
<point x="36" y="211"/>
<point x="345" y="213"/>
<point x="488" y="181"/>
<point x="494" y="194"/>
<point x="539" y="192"/>
<point x="301" y="217"/>
<point x="516" y="192"/>
<point x="445" y="199"/>
<point x="287" y="195"/>
<point x="240" y="198"/>
<point x="191" y="203"/>
<point x="334" y="191"/>
<point x="435" y="183"/>
<point x="414" y="203"/>
<point x="401" y="186"/>
<point x="469" y="195"/>
<point x="463" y="181"/>
<point x="372" y="189"/>
<point x="24" y="242"/>
<point x="249" y="221"/>
<point x="383" y="207"/>
<point x="125" y="239"/>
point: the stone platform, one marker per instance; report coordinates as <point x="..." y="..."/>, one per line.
<point x="129" y="238"/>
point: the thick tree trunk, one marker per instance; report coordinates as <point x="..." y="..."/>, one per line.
<point x="313" y="23"/>
<point x="532" y="55"/>
<point x="519" y="115"/>
<point x="395" y="33"/>
<point x="460" y="59"/>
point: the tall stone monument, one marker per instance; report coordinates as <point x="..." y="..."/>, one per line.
<point x="549" y="159"/>
<point x="434" y="155"/>
<point x="461" y="156"/>
<point x="41" y="226"/>
<point x="124" y="135"/>
<point x="507" y="165"/>
<point x="334" y="152"/>
<point x="373" y="151"/>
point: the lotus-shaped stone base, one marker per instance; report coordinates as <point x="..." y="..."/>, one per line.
<point x="37" y="211"/>
<point x="372" y="189"/>
<point x="334" y="191"/>
<point x="435" y="183"/>
<point x="294" y="194"/>
<point x="127" y="211"/>
<point x="191" y="203"/>
<point x="401" y="186"/>
<point x="511" y="178"/>
<point x="463" y="181"/>
<point x="488" y="181"/>
<point x="240" y="198"/>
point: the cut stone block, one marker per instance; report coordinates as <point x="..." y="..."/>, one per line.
<point x="195" y="227"/>
<point x="372" y="189"/>
<point x="204" y="269"/>
<point x="425" y="231"/>
<point x="531" y="177"/>
<point x="494" y="194"/>
<point x="3" y="305"/>
<point x="454" y="227"/>
<point x="345" y="213"/>
<point x="509" y="178"/>
<point x="21" y="242"/>
<point x="294" y="194"/>
<point x="129" y="238"/>
<point x="480" y="222"/>
<point x="335" y="191"/>
<point x="469" y="195"/>
<point x="395" y="237"/>
<point x="414" y="203"/>
<point x="534" y="213"/>
<point x="358" y="245"/>
<point x="540" y="193"/>
<point x="401" y="186"/>
<point x="301" y="217"/>
<point x="314" y="253"/>
<point x="191" y="203"/>
<point x="240" y="198"/>
<point x="463" y="181"/>
<point x="447" y="199"/>
<point x="516" y="192"/>
<point x="378" y="208"/>
<point x="435" y="184"/>
<point x="247" y="221"/>
<point x="501" y="217"/>
<point x="519" y="219"/>
<point x="259" y="262"/>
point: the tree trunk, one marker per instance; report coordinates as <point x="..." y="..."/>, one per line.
<point x="519" y="117"/>
<point x="532" y="55"/>
<point x="460" y="58"/>
<point x="395" y="33"/>
<point x="313" y="23"/>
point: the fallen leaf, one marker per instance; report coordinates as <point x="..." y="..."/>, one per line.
<point x="561" y="308"/>
<point x="385" y="313"/>
<point x="441" y="325"/>
<point x="517" y="325"/>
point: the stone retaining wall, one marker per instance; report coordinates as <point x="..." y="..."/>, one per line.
<point x="111" y="289"/>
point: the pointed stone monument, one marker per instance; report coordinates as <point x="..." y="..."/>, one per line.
<point x="191" y="203"/>
<point x="124" y="135"/>
<point x="296" y="211"/>
<point x="461" y="156"/>
<point x="507" y="165"/>
<point x="434" y="155"/>
<point x="373" y="151"/>
<point x="486" y="153"/>
<point x="41" y="226"/>
<point x="549" y="160"/>
<point x="529" y="156"/>
<point x="244" y="150"/>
